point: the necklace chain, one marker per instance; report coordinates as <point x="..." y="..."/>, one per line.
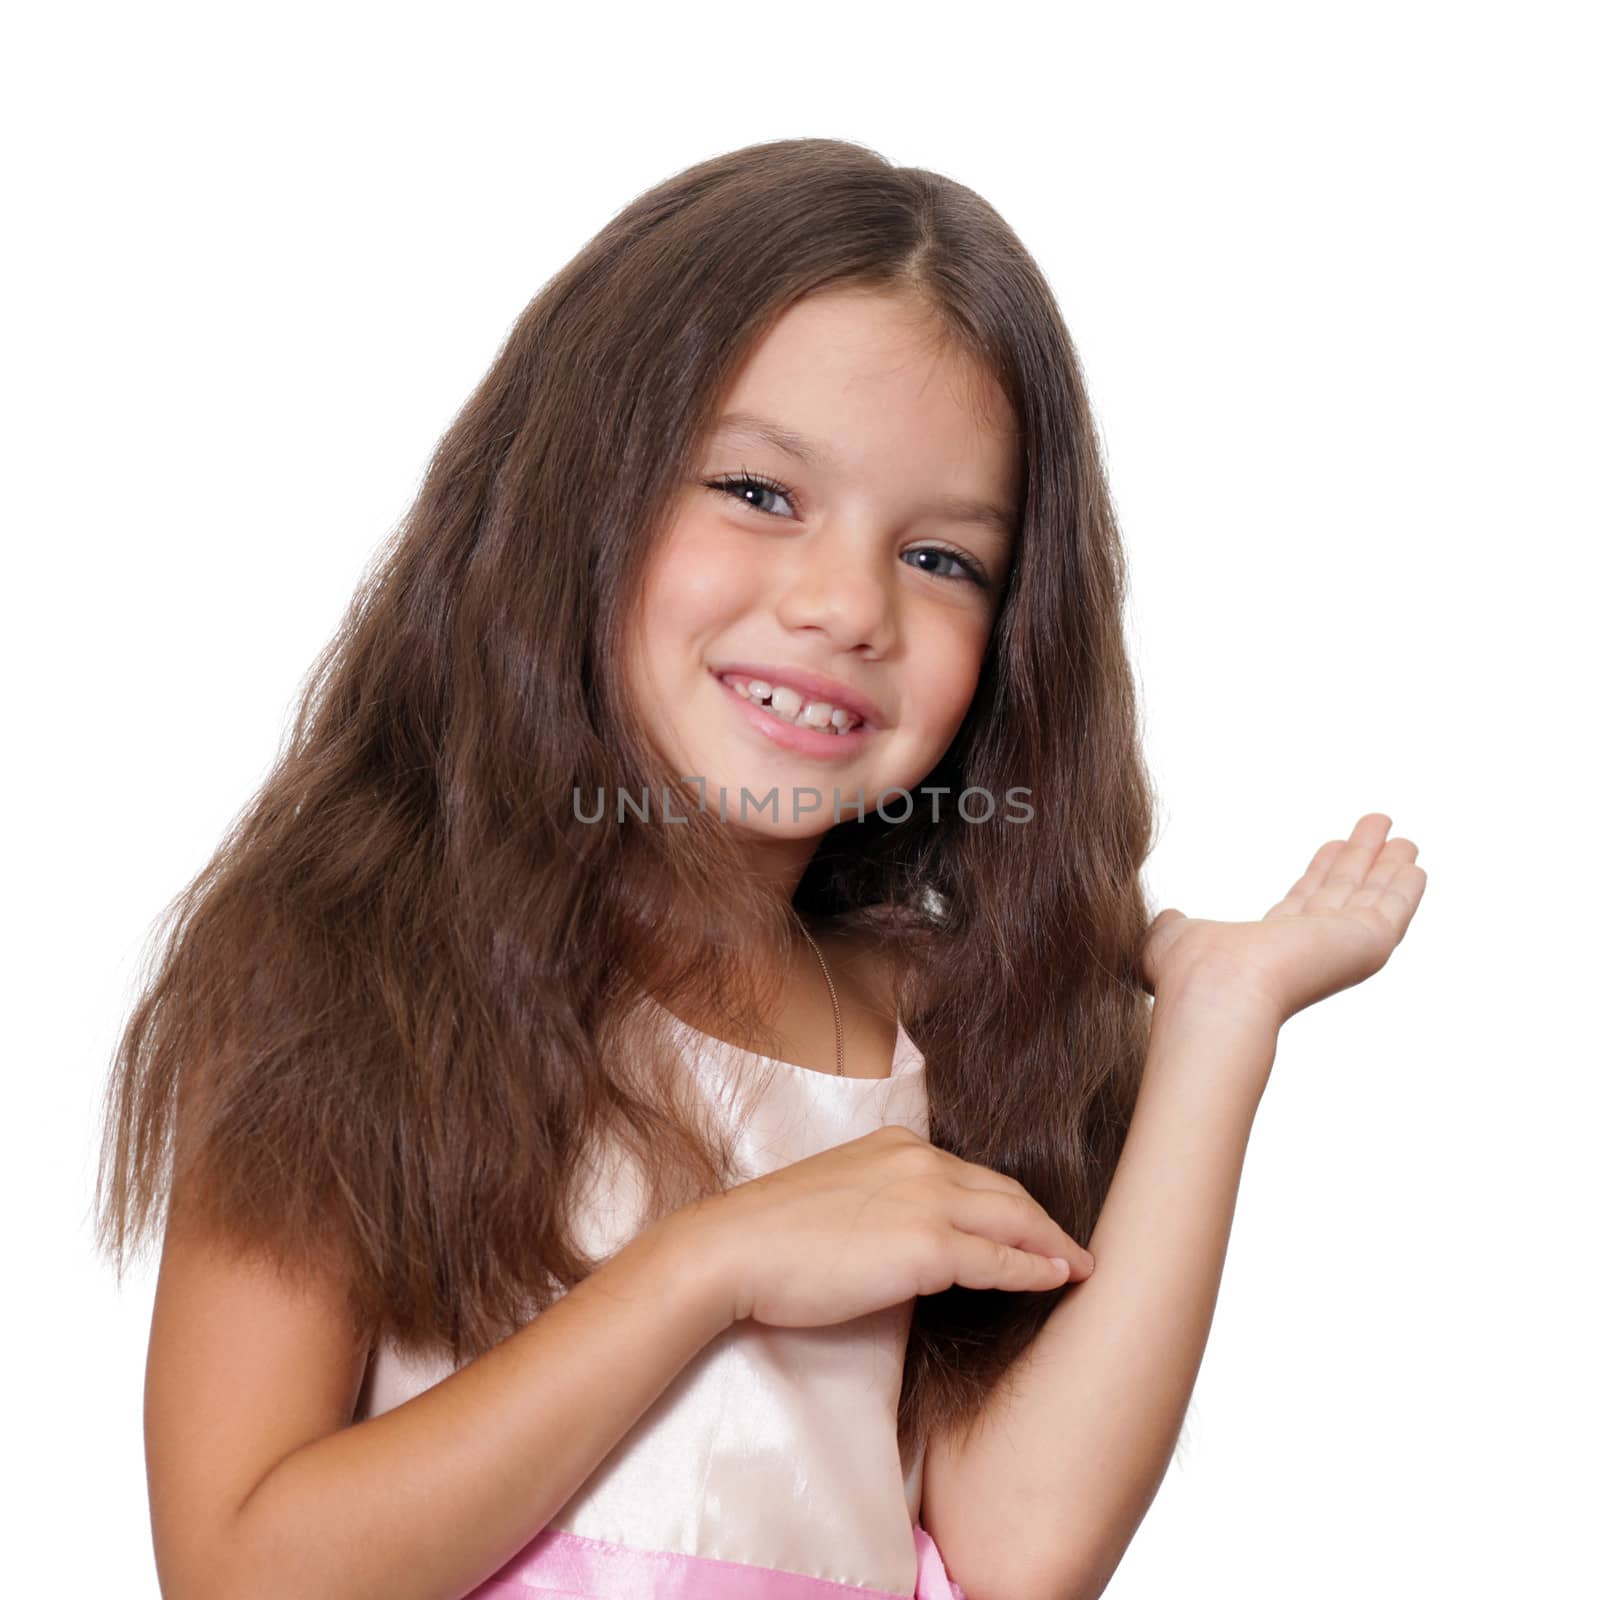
<point x="838" y="1021"/>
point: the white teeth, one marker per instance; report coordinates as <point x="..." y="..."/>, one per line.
<point x="789" y="704"/>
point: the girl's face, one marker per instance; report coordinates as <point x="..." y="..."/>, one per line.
<point x="871" y="554"/>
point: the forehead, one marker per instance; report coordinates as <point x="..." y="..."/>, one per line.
<point x="857" y="382"/>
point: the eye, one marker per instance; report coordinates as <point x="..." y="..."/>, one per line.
<point x="974" y="572"/>
<point x="741" y="483"/>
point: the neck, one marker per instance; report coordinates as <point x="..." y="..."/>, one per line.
<point x="779" y="863"/>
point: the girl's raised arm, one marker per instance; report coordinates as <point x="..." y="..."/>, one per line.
<point x="259" y="1486"/>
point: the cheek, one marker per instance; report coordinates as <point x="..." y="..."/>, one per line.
<point x="945" y="667"/>
<point x="696" y="580"/>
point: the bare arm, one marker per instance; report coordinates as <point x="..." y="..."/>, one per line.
<point x="1067" y="1459"/>
<point x="427" y="1500"/>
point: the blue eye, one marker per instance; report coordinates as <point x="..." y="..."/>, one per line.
<point x="966" y="563"/>
<point x="738" y="485"/>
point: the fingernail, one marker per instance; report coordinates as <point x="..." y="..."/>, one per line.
<point x="1060" y="1264"/>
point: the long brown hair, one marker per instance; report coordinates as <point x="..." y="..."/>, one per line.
<point x="394" y="1014"/>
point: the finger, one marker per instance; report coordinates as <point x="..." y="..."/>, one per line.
<point x="1311" y="879"/>
<point x="1015" y="1219"/>
<point x="1348" y="869"/>
<point x="1394" y="900"/>
<point x="1047" y="1234"/>
<point x="979" y="1263"/>
<point x="974" y="1175"/>
<point x="1408" y="884"/>
<point x="1391" y="860"/>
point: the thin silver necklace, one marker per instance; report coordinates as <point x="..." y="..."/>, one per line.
<point x="838" y="1021"/>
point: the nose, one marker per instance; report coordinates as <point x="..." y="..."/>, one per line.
<point x="839" y="579"/>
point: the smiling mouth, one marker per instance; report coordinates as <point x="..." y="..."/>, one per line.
<point x="789" y="704"/>
<point x="796" y="737"/>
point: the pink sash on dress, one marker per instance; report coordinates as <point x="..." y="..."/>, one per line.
<point x="565" y="1566"/>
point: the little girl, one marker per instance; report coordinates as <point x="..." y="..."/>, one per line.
<point x="625" y="1099"/>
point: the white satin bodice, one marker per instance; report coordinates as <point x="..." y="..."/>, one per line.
<point x="773" y="1446"/>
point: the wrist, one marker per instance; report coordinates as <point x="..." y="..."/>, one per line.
<point x="1218" y="990"/>
<point x="683" y="1254"/>
<point x="1220" y="1032"/>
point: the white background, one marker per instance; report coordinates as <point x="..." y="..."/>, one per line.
<point x="1331" y="276"/>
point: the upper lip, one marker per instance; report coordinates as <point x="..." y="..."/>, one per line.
<point x="814" y="685"/>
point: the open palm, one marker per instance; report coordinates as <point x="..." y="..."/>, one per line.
<point x="1336" y="927"/>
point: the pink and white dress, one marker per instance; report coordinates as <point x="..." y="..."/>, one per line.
<point x="768" y="1469"/>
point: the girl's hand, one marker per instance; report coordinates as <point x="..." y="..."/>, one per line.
<point x="869" y="1224"/>
<point x="1336" y="927"/>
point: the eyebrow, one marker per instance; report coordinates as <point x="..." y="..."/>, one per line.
<point x="953" y="507"/>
